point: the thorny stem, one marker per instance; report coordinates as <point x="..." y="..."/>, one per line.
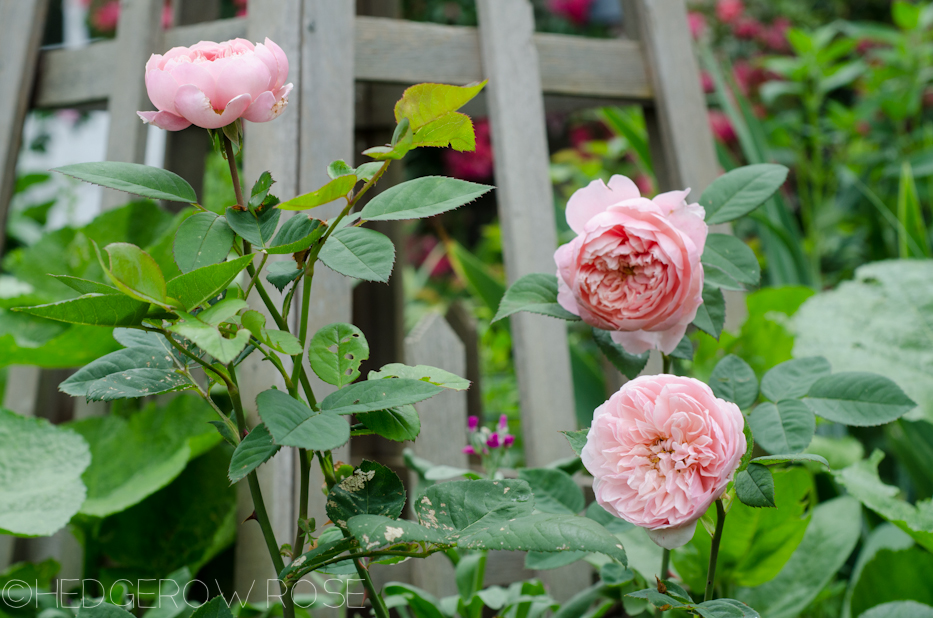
<point x="259" y="505"/>
<point x="714" y="551"/>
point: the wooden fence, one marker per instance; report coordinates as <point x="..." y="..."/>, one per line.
<point x="348" y="65"/>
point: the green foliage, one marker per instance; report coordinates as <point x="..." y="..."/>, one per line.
<point x="196" y="287"/>
<point x="334" y="190"/>
<point x="372" y="489"/>
<point x="280" y="274"/>
<point x="433" y="375"/>
<point x="297" y="234"/>
<point x="421" y="198"/>
<point x="202" y="239"/>
<point x="426" y="104"/>
<point x="151" y="182"/>
<point x="254" y="450"/>
<point x="554" y="490"/>
<point x="912" y="234"/>
<point x="858" y="398"/>
<point x="862" y="482"/>
<point x="336" y="352"/>
<point x="893" y="575"/>
<point x="40" y="475"/>
<point x="878" y="323"/>
<point x="711" y="315"/>
<point x="792" y="379"/>
<point x="131" y="459"/>
<point x="292" y="423"/>
<point x="577" y="439"/>
<point x="203" y="330"/>
<point x="135" y="273"/>
<point x="92" y="310"/>
<point x="737" y="193"/>
<point x="360" y="253"/>
<point x="729" y="263"/>
<point x="734" y="380"/>
<point x="754" y="486"/>
<point x="377" y="531"/>
<point x="400" y="423"/>
<point x="900" y="609"/>
<point x="278" y="340"/>
<point x="785" y="427"/>
<point x="629" y="365"/>
<point x="373" y="395"/>
<point x="186" y="523"/>
<point x="535" y="293"/>
<point x="256" y="228"/>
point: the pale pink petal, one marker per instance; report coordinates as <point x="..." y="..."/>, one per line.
<point x="196" y="107"/>
<point x="267" y="107"/>
<point x="164" y="120"/>
<point x="673" y="537"/>
<point x="241" y="75"/>
<point x="161" y="87"/>
<point x="596" y="197"/>
<point x="153" y="62"/>
<point x="199" y="76"/>
<point x="637" y="341"/>
<point x="672" y="200"/>
<point x="268" y="58"/>
<point x="282" y="61"/>
<point x="624" y="187"/>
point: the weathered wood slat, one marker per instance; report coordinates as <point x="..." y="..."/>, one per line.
<point x="386" y="50"/>
<point x="443" y="428"/>
<point x="529" y="237"/>
<point x="21" y="32"/>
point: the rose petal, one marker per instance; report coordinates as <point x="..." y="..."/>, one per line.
<point x="161" y="87"/>
<point x="282" y="61"/>
<point x="267" y="106"/>
<point x="596" y="197"/>
<point x="199" y="76"/>
<point x="673" y="537"/>
<point x="164" y="120"/>
<point x="196" y="107"/>
<point x="241" y="75"/>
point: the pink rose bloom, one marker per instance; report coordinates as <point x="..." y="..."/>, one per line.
<point x="775" y="36"/>
<point x="747" y="28"/>
<point x="729" y="10"/>
<point x="721" y="126"/>
<point x="706" y="81"/>
<point x="106" y="17"/>
<point x="634" y="268"/>
<point x="211" y="85"/>
<point x="661" y="451"/>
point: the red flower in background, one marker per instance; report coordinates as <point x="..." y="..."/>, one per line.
<point x="240" y="7"/>
<point x="697" y="23"/>
<point x="747" y="28"/>
<point x="577" y="11"/>
<point x="476" y="165"/>
<point x="729" y="10"/>
<point x="722" y="128"/>
<point x="106" y="16"/>
<point x="707" y="82"/>
<point x="775" y="35"/>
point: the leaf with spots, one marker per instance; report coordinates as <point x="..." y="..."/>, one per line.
<point x="376" y="531"/>
<point x="336" y="351"/>
<point x="372" y="489"/>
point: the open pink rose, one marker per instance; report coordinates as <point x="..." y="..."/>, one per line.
<point x="634" y="268"/>
<point x="661" y="451"/>
<point x="210" y="85"/>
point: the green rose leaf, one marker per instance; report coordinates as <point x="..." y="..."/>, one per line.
<point x="453" y="129"/>
<point x="740" y="191"/>
<point x="334" y="190"/>
<point x="899" y="609"/>
<point x="725" y="608"/>
<point x="202" y="239"/>
<point x="554" y="490"/>
<point x="535" y="293"/>
<point x="93" y="309"/>
<point x="373" y="395"/>
<point x="577" y="439"/>
<point x="792" y="379"/>
<point x="203" y="331"/>
<point x="198" y="286"/>
<point x="421" y="198"/>
<point x="711" y="315"/>
<point x="135" y="273"/>
<point x="260" y="190"/>
<point x="729" y="263"/>
<point x="336" y="352"/>
<point x="151" y="182"/>
<point x="398" y="424"/>
<point x="278" y="340"/>
<point x="359" y="253"/>
<point x="768" y="460"/>
<point x="435" y="376"/>
<point x="256" y="229"/>
<point x="280" y="274"/>
<point x="133" y="458"/>
<point x="424" y="103"/>
<point x="40" y="475"/>
<point x="372" y="489"/>
<point x="785" y="427"/>
<point x="293" y="423"/>
<point x="857" y="398"/>
<point x="84" y="286"/>
<point x="297" y="234"/>
<point x="339" y="168"/>
<point x="734" y="380"/>
<point x="754" y="486"/>
<point x="629" y="365"/>
<point x="254" y="450"/>
<point x="103" y="610"/>
<point x="377" y="531"/>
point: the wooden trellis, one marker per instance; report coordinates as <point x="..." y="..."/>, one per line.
<point x="341" y="62"/>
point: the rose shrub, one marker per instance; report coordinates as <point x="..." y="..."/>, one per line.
<point x="634" y="268"/>
<point x="211" y="85"/>
<point x="661" y="451"/>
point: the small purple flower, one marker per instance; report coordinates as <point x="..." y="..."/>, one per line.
<point x="472" y="423"/>
<point x="509" y="441"/>
<point x="469" y="450"/>
<point x="503" y="422"/>
<point x="493" y="441"/>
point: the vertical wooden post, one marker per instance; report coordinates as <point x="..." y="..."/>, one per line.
<point x="21" y="23"/>
<point x="139" y="34"/>
<point x="529" y="236"/>
<point x="443" y="428"/>
<point x="271" y="146"/>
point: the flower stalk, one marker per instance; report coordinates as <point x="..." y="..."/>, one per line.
<point x="714" y="551"/>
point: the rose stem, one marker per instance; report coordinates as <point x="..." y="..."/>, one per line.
<point x="668" y="363"/>
<point x="234" y="174"/>
<point x="665" y="566"/>
<point x="714" y="551"/>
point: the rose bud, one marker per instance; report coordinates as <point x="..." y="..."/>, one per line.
<point x="211" y="85"/>
<point x="634" y="268"/>
<point x="661" y="451"/>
